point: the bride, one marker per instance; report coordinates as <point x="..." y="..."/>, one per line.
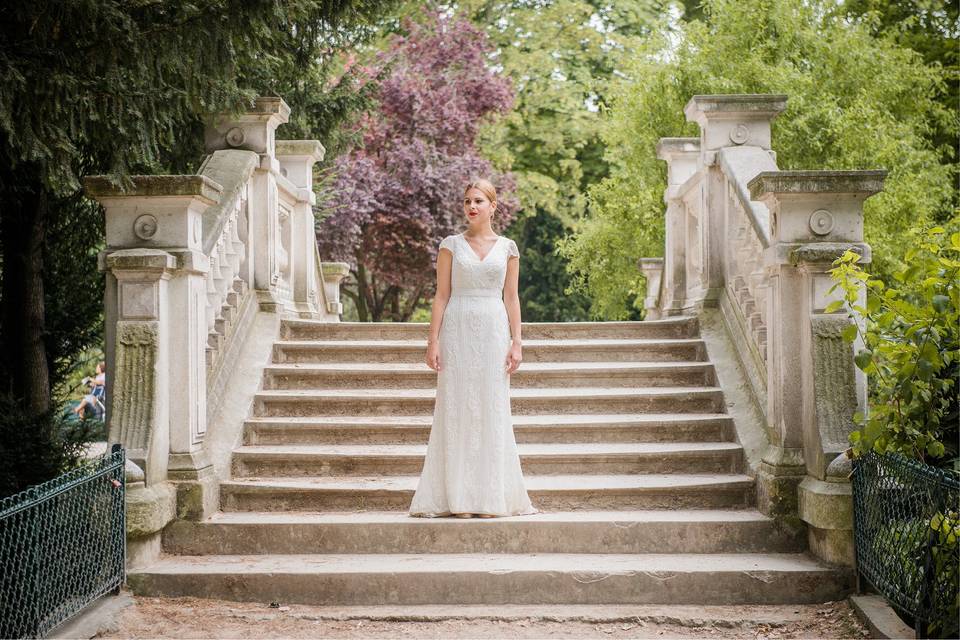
<point x="472" y="466"/>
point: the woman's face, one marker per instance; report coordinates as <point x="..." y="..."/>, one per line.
<point x="477" y="207"/>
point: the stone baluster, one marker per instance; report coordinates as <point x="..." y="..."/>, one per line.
<point x="813" y="386"/>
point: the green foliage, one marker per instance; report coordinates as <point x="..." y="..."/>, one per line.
<point x="119" y="87"/>
<point x="909" y="348"/>
<point x="855" y="101"/>
<point x="35" y="448"/>
<point x="563" y="57"/>
<point x="945" y="532"/>
<point x="543" y="274"/>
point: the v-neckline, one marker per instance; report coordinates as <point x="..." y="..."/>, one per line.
<point x="484" y="258"/>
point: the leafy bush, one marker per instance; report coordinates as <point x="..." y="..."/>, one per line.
<point x="909" y="348"/>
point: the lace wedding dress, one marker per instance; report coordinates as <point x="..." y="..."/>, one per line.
<point x="472" y="464"/>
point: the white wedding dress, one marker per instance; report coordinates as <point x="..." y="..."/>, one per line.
<point x="472" y="464"/>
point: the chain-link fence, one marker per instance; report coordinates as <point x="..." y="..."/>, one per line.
<point x="62" y="546"/>
<point x="906" y="530"/>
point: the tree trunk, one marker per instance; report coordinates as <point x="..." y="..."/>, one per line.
<point x="412" y="303"/>
<point x="22" y="227"/>
<point x="363" y="310"/>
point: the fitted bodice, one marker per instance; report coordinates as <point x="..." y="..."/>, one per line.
<point x="472" y="276"/>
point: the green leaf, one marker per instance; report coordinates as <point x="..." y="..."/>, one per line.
<point x="863" y="359"/>
<point x="940" y="303"/>
<point x="849" y="333"/>
<point x="833" y="306"/>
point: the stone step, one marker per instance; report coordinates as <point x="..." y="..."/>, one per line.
<point x="548" y="492"/>
<point x="413" y="351"/>
<point x="680" y="327"/>
<point x="397" y="402"/>
<point x="417" y="375"/>
<point x="367" y="579"/>
<point x="626" y="427"/>
<point x="552" y="458"/>
<point x="663" y="531"/>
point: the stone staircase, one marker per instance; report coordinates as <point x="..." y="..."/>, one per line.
<point x="624" y="442"/>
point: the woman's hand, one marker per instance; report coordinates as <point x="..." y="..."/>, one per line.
<point x="433" y="356"/>
<point x="514" y="358"/>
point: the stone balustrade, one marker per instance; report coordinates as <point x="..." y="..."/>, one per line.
<point x="756" y="243"/>
<point x="189" y="261"/>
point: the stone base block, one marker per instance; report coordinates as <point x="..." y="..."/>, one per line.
<point x="149" y="510"/>
<point x="198" y="487"/>
<point x="827" y="508"/>
<point x="779" y="474"/>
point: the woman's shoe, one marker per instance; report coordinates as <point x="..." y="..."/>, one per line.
<point x="486" y="515"/>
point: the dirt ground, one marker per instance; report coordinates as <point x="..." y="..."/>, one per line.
<point x="188" y="618"/>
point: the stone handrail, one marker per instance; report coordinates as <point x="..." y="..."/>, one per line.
<point x="757" y="243"/>
<point x="189" y="262"/>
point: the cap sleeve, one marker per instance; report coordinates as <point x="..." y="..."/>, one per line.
<point x="512" y="248"/>
<point x="446" y="243"/>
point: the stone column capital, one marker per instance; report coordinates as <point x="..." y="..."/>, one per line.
<point x="681" y="156"/>
<point x="252" y="131"/>
<point x="735" y="119"/>
<point x="820" y="207"/>
<point x="157" y="212"/>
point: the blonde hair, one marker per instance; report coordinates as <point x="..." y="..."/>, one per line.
<point x="485" y="186"/>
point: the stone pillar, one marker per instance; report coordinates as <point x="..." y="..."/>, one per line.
<point x="725" y="121"/>
<point x="682" y="156"/>
<point x="333" y="273"/>
<point x="157" y="327"/>
<point x="256" y="131"/>
<point x="652" y="269"/>
<point x="813" y="387"/>
<point x="297" y="158"/>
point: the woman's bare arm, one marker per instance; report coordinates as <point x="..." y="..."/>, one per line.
<point x="440" y="300"/>
<point x="511" y="299"/>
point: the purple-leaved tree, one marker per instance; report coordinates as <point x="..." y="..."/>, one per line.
<point x="394" y="197"/>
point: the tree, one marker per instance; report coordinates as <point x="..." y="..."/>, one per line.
<point x="113" y="87"/>
<point x="563" y="57"/>
<point x="397" y="195"/>
<point x="855" y="101"/>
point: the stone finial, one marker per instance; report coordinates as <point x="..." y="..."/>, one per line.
<point x="156" y="212"/>
<point x="816" y="206"/>
<point x="735" y="119"/>
<point x="681" y="155"/>
<point x="251" y="131"/>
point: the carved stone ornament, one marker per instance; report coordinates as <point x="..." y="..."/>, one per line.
<point x="822" y="222"/>
<point x="145" y="226"/>
<point x="235" y="137"/>
<point x="739" y="134"/>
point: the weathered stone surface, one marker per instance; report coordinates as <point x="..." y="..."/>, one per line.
<point x="231" y="168"/>
<point x="827" y="508"/>
<point x="150" y="509"/>
<point x="154" y="186"/>
<point x="865" y="183"/>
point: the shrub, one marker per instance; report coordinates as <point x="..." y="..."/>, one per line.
<point x="908" y="348"/>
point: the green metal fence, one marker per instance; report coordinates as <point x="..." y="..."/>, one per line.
<point x="906" y="529"/>
<point x="62" y="546"/>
